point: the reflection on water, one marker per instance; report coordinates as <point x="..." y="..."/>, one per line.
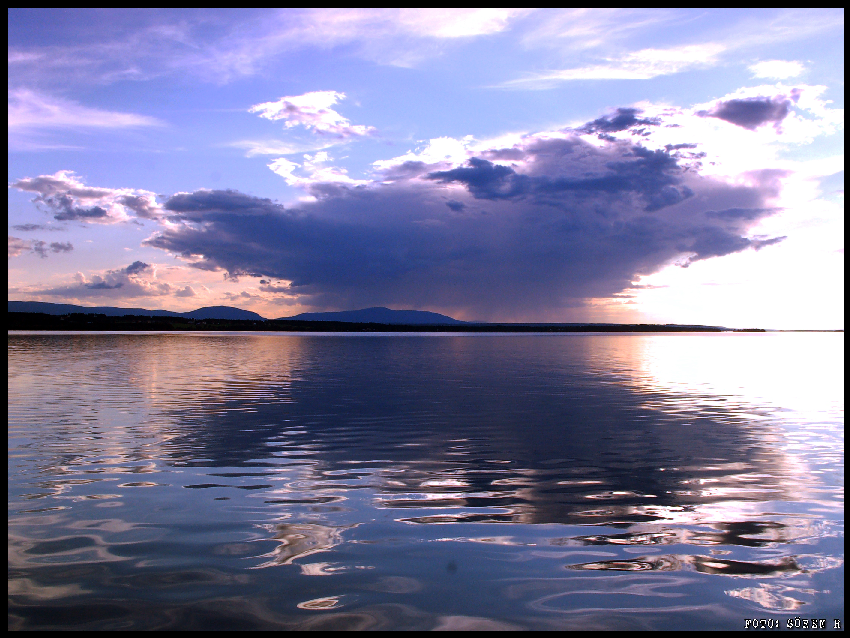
<point x="249" y="481"/>
<point x="704" y="564"/>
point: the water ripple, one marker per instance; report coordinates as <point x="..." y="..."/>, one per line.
<point x="446" y="482"/>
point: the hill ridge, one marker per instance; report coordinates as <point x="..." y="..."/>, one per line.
<point x="206" y="312"/>
<point x="377" y="314"/>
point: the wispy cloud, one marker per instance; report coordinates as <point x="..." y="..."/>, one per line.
<point x="319" y="25"/>
<point x="254" y="148"/>
<point x="33" y="110"/>
<point x="223" y="46"/>
<point x="604" y="34"/>
<point x="34" y="115"/>
<point x="398" y="37"/>
<point x="571" y="30"/>
<point x="639" y="65"/>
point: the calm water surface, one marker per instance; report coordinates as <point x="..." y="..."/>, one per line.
<point x="258" y="481"/>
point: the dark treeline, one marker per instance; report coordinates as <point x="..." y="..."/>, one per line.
<point x="97" y="322"/>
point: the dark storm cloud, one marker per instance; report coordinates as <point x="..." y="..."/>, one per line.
<point x="283" y="289"/>
<point x="762" y="243"/>
<point x="716" y="242"/>
<point x="200" y="203"/>
<point x="64" y="210"/>
<point x="136" y="267"/>
<point x="570" y="221"/>
<point x="621" y="120"/>
<point x="750" y="113"/>
<point x="102" y="285"/>
<point x="746" y="214"/>
<point x="406" y="170"/>
<point x="653" y="174"/>
<point x="485" y="180"/>
<point x="504" y="154"/>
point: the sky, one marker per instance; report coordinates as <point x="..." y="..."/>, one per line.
<point x="546" y="165"/>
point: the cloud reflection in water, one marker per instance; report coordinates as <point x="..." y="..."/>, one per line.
<point x="379" y="462"/>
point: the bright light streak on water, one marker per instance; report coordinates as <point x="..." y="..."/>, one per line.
<point x="214" y="481"/>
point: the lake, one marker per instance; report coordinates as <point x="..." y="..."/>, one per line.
<point x="425" y="481"/>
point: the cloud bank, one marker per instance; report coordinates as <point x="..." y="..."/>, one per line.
<point x="519" y="228"/>
<point x="483" y="239"/>
<point x="135" y="280"/>
<point x="523" y="229"/>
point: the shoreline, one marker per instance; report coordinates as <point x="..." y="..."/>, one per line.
<point x="133" y="323"/>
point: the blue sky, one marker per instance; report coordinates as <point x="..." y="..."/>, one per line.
<point x="681" y="166"/>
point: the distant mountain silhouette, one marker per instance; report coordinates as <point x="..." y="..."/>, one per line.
<point x="25" y="317"/>
<point x="379" y="315"/>
<point x="366" y="315"/>
<point x="223" y="312"/>
<point x="211" y="312"/>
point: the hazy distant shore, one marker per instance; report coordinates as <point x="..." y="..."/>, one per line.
<point x="99" y="322"/>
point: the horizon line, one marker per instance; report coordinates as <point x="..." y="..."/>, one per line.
<point x="490" y="323"/>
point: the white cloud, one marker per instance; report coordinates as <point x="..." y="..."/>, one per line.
<point x="777" y="69"/>
<point x="317" y="169"/>
<point x="438" y="150"/>
<point x="312" y="111"/>
<point x="285" y="169"/>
